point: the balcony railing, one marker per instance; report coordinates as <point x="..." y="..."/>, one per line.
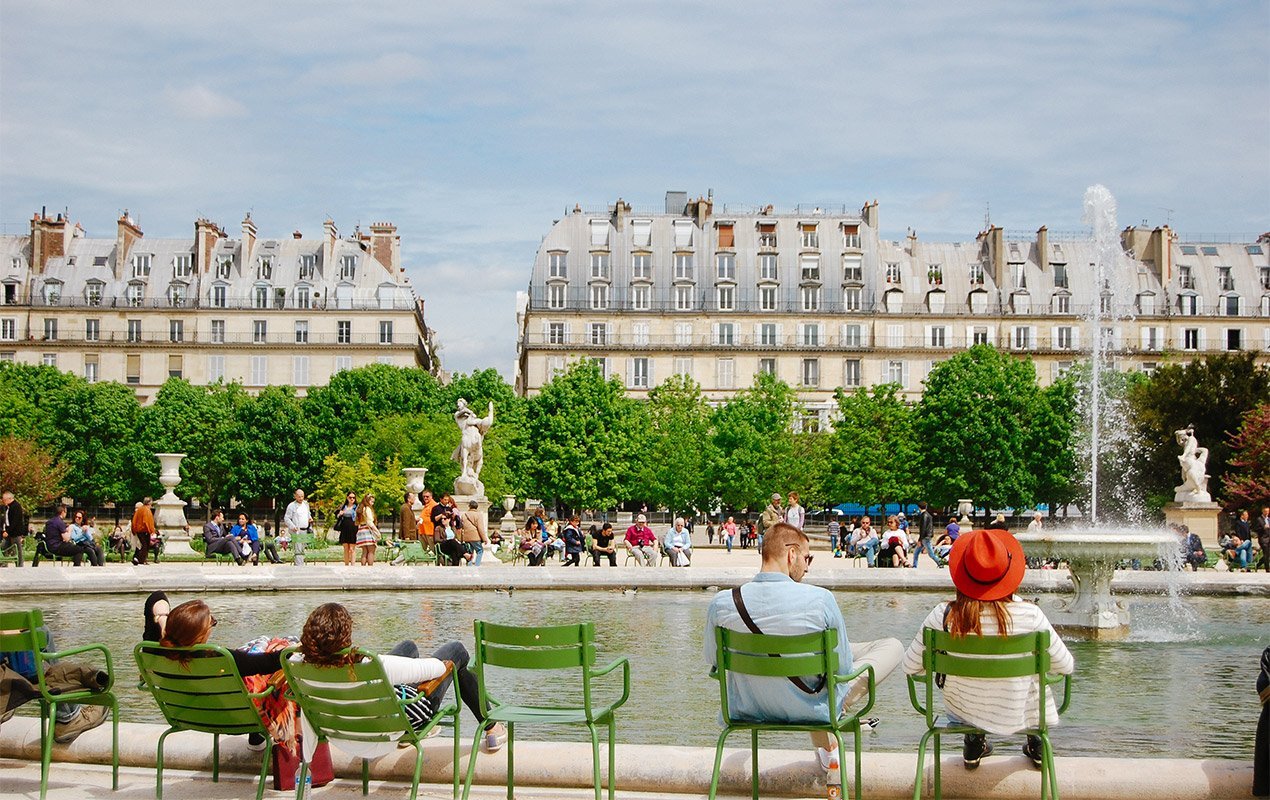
<point x="205" y="339"/>
<point x="232" y="303"/>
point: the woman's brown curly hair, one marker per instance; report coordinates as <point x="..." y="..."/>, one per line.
<point x="327" y="631"/>
<point x="189" y="624"/>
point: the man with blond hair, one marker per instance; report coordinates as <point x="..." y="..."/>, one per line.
<point x="777" y="602"/>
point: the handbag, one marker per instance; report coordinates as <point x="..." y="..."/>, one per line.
<point x="286" y="764"/>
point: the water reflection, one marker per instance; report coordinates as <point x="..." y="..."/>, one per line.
<point x="1180" y="691"/>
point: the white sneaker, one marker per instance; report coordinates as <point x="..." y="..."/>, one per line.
<point x="829" y="763"/>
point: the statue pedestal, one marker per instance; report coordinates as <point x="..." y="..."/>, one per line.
<point x="169" y="518"/>
<point x="1200" y="517"/>
<point x="461" y="501"/>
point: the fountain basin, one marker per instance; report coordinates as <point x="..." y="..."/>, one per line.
<point x="1092" y="612"/>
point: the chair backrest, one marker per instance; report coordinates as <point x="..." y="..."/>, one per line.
<point x="23" y="632"/>
<point x="205" y="693"/>
<point x="354" y="702"/>
<point x="986" y="657"/>
<point x="775" y="656"/>
<point x="556" y="647"/>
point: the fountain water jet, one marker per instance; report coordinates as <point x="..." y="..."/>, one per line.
<point x="1092" y="553"/>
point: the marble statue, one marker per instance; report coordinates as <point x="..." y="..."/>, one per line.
<point x="1194" y="461"/>
<point x="471" y="450"/>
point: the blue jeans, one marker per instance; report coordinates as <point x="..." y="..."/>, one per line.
<point x="479" y="549"/>
<point x="867" y="549"/>
<point x="1244" y="553"/>
<point x="924" y="544"/>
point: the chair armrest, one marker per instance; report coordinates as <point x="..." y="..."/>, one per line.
<point x="912" y="692"/>
<point x="872" y="685"/>
<point x="714" y="674"/>
<point x="625" y="664"/>
<point x="1066" y="680"/>
<point x="74" y="651"/>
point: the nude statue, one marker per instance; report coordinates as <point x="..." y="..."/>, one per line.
<point x="1194" y="463"/>
<point x="471" y="450"/>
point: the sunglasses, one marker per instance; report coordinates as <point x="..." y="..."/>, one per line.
<point x="808" y="558"/>
<point x="213" y="622"/>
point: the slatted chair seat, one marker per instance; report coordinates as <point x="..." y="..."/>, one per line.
<point x="781" y="658"/>
<point x="24" y="631"/>
<point x="204" y="694"/>
<point x="556" y="648"/>
<point x="356" y="703"/>
<point x="984" y="657"/>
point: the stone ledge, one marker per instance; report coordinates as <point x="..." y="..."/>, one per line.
<point x="681" y="770"/>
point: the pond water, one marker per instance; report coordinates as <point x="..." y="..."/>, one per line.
<point x="1181" y="686"/>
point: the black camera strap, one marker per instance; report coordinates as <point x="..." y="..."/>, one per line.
<point x="749" y="623"/>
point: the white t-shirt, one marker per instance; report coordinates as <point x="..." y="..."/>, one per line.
<point x="297" y="516"/>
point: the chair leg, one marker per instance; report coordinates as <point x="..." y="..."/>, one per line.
<point x="302" y="777"/>
<point x="921" y="765"/>
<point x="48" y="727"/>
<point x="859" y="787"/>
<point x="456" y="755"/>
<point x="414" y="786"/>
<point x="939" y="763"/>
<point x="114" y="744"/>
<point x="718" y="763"/>
<point x="595" y="758"/>
<point x="471" y="761"/>
<point x="511" y="761"/>
<point x="365" y="777"/>
<point x="158" y="770"/>
<point x="1048" y="768"/>
<point x="754" y="763"/>
<point x="264" y="767"/>
<point x="842" y="764"/>
<point x="612" y="756"/>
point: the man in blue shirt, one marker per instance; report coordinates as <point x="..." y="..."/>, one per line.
<point x="778" y="603"/>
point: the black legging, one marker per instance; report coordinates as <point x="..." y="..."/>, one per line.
<point x="453" y="549"/>
<point x="469" y="690"/>
<point x="572" y="559"/>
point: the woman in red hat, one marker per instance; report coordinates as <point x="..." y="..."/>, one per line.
<point x="987" y="566"/>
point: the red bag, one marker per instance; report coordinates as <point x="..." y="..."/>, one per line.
<point x="286" y="764"/>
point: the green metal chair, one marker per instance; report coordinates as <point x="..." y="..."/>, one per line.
<point x="560" y="647"/>
<point x="357" y="703"/>
<point x="986" y="657"/>
<point x="781" y="658"/>
<point x="24" y="631"/>
<point x="205" y="694"/>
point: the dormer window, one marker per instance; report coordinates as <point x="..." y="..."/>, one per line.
<point x="260" y="296"/>
<point x="1185" y="277"/>
<point x="767" y="234"/>
<point x="177" y="294"/>
<point x="141" y="265"/>
<point x="893" y="273"/>
<point x="1265" y="279"/>
<point x="100" y="261"/>
<point x="15" y="264"/>
<point x="853" y="269"/>
<point x="308" y="267"/>
<point x="767" y="267"/>
<point x="683" y="266"/>
<point x="934" y="274"/>
<point x="600" y="266"/>
<point x="348" y="268"/>
<point x="599" y="232"/>
<point x="1225" y="280"/>
<point x="135" y="294"/>
<point x="558" y="265"/>
<point x="52" y="292"/>
<point x="302" y="297"/>
<point x="810" y="264"/>
<point x="219" y="294"/>
<point x="223" y="268"/>
<point x="976" y="274"/>
<point x="1018" y="272"/>
<point x="642" y="266"/>
<point x="93" y="291"/>
<point x="264" y="271"/>
<point x="726" y="266"/>
<point x="727" y="235"/>
<point x="1060" y="276"/>
<point x="182" y="265"/>
<point x="683" y="232"/>
<point x="811" y="239"/>
<point x="851" y="237"/>
<point x="642" y="232"/>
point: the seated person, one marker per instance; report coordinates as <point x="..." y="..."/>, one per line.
<point x="269" y="544"/>
<point x="1193" y="554"/>
<point x="20" y="683"/>
<point x="894" y="552"/>
<point x="945" y="541"/>
<point x="574" y="542"/>
<point x="679" y="544"/>
<point x="987" y="566"/>
<point x="641" y="542"/>
<point x="777" y="602"/>
<point x="218" y="541"/>
<point x="864" y="542"/>
<point x="602" y="544"/>
<point x="495" y="540"/>
<point x="329" y="630"/>
<point x="248" y="537"/>
<point x="531" y="544"/>
<point x="1237" y="551"/>
<point x="444" y="525"/>
<point x="82" y="534"/>
<point x="56" y="539"/>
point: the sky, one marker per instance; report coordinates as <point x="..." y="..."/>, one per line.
<point x="473" y="126"/>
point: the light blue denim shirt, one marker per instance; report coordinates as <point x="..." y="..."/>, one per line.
<point x="778" y="605"/>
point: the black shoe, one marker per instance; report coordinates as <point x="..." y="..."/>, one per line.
<point x="975" y="748"/>
<point x="1035" y="751"/>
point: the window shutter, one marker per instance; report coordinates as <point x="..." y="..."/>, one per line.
<point x="546" y="330"/>
<point x="1075" y="338"/>
<point x="780" y="333"/>
<point x="970" y="335"/>
<point x="992" y="335"/>
<point x="651" y="382"/>
<point x="1117" y="338"/>
<point x="1203" y="337"/>
<point x="820" y="334"/>
<point x="904" y="373"/>
<point x="926" y="335"/>
<point x="1031" y="336"/>
<point x="608" y="333"/>
<point x="758" y="333"/>
<point x="1054" y="338"/>
<point x="714" y="333"/>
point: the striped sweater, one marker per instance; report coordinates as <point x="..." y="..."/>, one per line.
<point x="1003" y="705"/>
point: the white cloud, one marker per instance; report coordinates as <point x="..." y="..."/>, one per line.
<point x="200" y="102"/>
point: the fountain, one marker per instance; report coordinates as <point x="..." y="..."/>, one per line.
<point x="1092" y="553"/>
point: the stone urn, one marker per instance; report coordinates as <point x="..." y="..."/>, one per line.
<point x="508" y="522"/>
<point x="414" y="483"/>
<point x="169" y="510"/>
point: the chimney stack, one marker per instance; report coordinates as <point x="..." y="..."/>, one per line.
<point x="206" y="235"/>
<point x="249" y="240"/>
<point x="869" y="213"/>
<point x="329" y="237"/>
<point x="385" y="245"/>
<point x="621" y="210"/>
<point x="1043" y="248"/>
<point x="49" y="239"/>
<point x="993" y="253"/>
<point x="126" y="234"/>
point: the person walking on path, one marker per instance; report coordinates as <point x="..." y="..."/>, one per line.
<point x="925" y="535"/>
<point x="770" y="517"/>
<point x="727" y="532"/>
<point x="144" y="530"/>
<point x="297" y="519"/>
<point x="12" y="526"/>
<point x="346" y="526"/>
<point x="1261" y="527"/>
<point x="1261" y="757"/>
<point x="475" y="532"/>
<point x="408" y="523"/>
<point x="795" y="514"/>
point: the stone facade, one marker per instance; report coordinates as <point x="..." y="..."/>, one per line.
<point x="818" y="297"/>
<point x="137" y="310"/>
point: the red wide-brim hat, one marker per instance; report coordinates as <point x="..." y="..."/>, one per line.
<point x="987" y="565"/>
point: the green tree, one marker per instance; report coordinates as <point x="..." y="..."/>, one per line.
<point x="973" y="427"/>
<point x="25" y="392"/>
<point x="754" y="445"/>
<point x="338" y="477"/>
<point x="678" y="450"/>
<point x="31" y="472"/>
<point x="873" y="456"/>
<point x="1213" y="394"/>
<point x="1247" y="483"/>
<point x="1052" y="448"/>
<point x="354" y="397"/>
<point x="93" y="430"/>
<point x="585" y="439"/>
<point x="275" y="449"/>
<point x="200" y="421"/>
